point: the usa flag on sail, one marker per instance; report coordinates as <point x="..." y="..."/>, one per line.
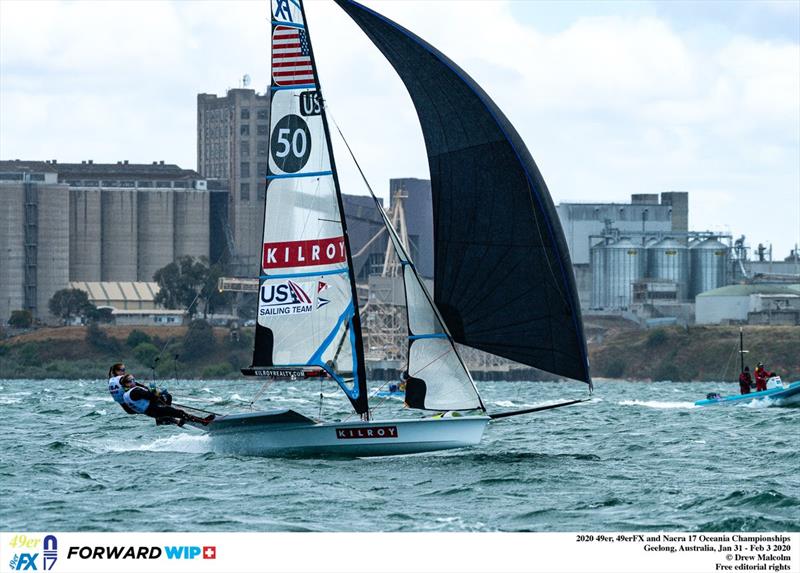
<point x="291" y="57"/>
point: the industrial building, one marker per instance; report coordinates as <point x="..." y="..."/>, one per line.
<point x="232" y="149"/>
<point x="586" y="224"/>
<point x="65" y="222"/>
<point x="750" y="304"/>
<point x="644" y="214"/>
<point x="645" y="269"/>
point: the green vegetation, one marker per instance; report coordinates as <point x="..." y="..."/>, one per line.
<point x="21" y="319"/>
<point x="200" y="351"/>
<point x="189" y="284"/>
<point x="136" y="337"/>
<point x="199" y="340"/>
<point x="69" y="303"/>
<point x="695" y="353"/>
<point x="146" y="353"/>
<point x="81" y="352"/>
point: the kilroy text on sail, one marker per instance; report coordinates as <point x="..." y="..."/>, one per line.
<point x="308" y="253"/>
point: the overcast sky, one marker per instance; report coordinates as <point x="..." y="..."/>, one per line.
<point x="611" y="98"/>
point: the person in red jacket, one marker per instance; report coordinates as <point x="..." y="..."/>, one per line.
<point x="761" y="377"/>
<point x="745" y="381"/>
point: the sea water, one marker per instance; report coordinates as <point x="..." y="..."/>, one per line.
<point x="638" y="456"/>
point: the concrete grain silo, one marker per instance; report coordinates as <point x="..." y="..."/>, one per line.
<point x="85" y="234"/>
<point x="52" y="259"/>
<point x="191" y="223"/>
<point x="12" y="250"/>
<point x="156" y="229"/>
<point x="120" y="235"/>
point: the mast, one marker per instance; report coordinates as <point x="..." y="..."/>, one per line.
<point x="741" y="349"/>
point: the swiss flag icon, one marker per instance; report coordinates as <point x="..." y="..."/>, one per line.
<point x="209" y="552"/>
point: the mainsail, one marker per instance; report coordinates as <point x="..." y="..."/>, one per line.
<point x="503" y="278"/>
<point x="308" y="319"/>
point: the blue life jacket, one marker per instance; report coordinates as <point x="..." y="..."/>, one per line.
<point x="139" y="406"/>
<point x="116" y="390"/>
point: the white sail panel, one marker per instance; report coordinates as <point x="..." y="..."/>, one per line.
<point x="302" y="209"/>
<point x="305" y="316"/>
<point x="448" y="386"/>
<point x="297" y="141"/>
<point x="421" y="316"/>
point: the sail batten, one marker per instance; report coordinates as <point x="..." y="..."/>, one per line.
<point x="490" y="204"/>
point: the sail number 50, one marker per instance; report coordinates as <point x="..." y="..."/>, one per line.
<point x="298" y="145"/>
<point x="290" y="143"/>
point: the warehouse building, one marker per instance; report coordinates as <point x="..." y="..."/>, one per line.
<point x="750" y="304"/>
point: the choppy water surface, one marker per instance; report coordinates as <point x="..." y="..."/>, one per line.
<point x="638" y="457"/>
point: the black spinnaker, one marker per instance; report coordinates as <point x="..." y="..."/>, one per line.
<point x="503" y="276"/>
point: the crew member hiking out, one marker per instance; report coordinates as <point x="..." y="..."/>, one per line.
<point x="745" y="381"/>
<point x="115" y="374"/>
<point x="145" y="401"/>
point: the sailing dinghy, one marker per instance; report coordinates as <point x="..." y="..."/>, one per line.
<point x="503" y="278"/>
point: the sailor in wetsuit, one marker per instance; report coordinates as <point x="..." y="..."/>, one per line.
<point x="115" y="373"/>
<point x="144" y="401"/>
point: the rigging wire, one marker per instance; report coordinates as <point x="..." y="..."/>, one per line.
<point x="260" y="392"/>
<point x="724" y="372"/>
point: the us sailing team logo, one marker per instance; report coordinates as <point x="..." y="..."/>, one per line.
<point x="286" y="297"/>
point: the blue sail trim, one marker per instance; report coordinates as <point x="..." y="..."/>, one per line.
<point x="316" y="358"/>
<point x="289" y="24"/>
<point x="300" y="275"/>
<point x="297" y="87"/>
<point x="293" y="175"/>
<point x="432" y="335"/>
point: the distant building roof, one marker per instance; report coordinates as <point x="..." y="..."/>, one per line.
<point x="90" y="170"/>
<point x="747" y="290"/>
<point x="28" y="166"/>
<point x="113" y="293"/>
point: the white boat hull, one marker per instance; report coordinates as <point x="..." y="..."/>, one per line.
<point x="284" y="432"/>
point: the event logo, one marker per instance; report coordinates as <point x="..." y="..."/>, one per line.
<point x="114" y="552"/>
<point x="190" y="551"/>
<point x="50" y="552"/>
<point x="24" y="562"/>
<point x="304" y="253"/>
<point x="285" y="297"/>
<point x="28" y="561"/>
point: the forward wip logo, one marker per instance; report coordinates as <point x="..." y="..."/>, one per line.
<point x="190" y="551"/>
